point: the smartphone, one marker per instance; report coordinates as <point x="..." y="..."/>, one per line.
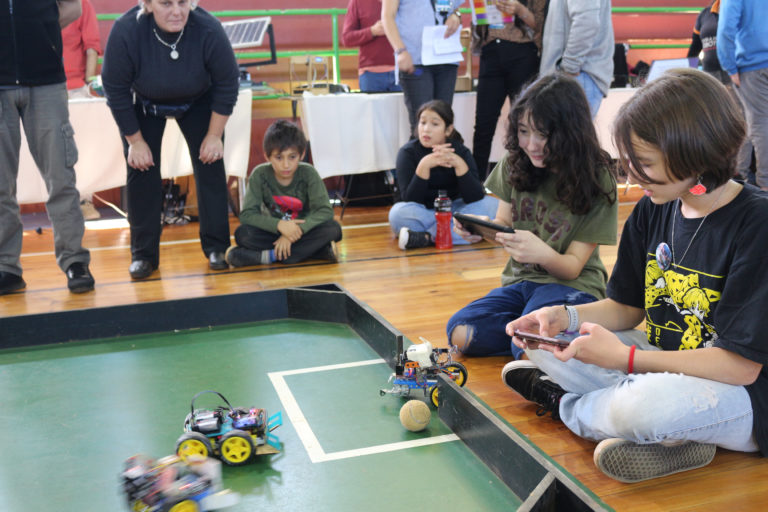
<point x="481" y="227"/>
<point x="529" y="337"/>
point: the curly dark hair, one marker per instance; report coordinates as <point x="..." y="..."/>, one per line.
<point x="558" y="108"/>
<point x="282" y="135"/>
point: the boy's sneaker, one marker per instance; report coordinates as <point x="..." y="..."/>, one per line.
<point x="534" y="385"/>
<point x="241" y="257"/>
<point x="414" y="239"/>
<point x="631" y="462"/>
<point x="79" y="278"/>
<point x="329" y="253"/>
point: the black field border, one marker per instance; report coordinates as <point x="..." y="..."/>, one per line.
<point x="525" y="469"/>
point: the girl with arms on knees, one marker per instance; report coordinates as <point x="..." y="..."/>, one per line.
<point x="557" y="191"/>
<point x="436" y="160"/>
<point x="691" y="264"/>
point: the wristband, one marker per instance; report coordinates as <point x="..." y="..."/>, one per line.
<point x="573" y="319"/>
<point x="631" y="363"/>
<point x="400" y="50"/>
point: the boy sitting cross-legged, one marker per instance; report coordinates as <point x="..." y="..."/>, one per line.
<point x="286" y="214"/>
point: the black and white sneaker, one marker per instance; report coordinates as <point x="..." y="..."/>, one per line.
<point x="528" y="381"/>
<point x="631" y="462"/>
<point x="413" y="239"/>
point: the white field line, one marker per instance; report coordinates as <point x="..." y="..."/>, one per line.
<point x="308" y="437"/>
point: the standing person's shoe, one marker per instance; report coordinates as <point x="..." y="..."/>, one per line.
<point x="140" y="269"/>
<point x="216" y="261"/>
<point x="632" y="462"/>
<point x="10" y="282"/>
<point x="534" y="385"/>
<point x="79" y="278"/>
<point x="414" y="239"/>
<point x="241" y="257"/>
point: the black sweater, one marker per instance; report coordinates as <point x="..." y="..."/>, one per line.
<point x="135" y="61"/>
<point x="418" y="190"/>
<point x="30" y="43"/>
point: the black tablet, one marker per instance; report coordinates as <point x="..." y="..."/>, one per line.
<point x="481" y="227"/>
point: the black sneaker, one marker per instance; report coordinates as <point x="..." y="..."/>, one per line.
<point x="631" y="462"/>
<point x="414" y="239"/>
<point x="79" y="278"/>
<point x="534" y="385"/>
<point x="10" y="282"/>
<point x="329" y="253"/>
<point x="241" y="257"/>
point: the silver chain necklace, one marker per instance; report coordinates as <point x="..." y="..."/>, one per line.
<point x="174" y="54"/>
<point x="674" y="221"/>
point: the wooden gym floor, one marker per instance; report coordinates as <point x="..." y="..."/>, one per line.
<point x="416" y="291"/>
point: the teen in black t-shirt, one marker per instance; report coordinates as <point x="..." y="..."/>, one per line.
<point x="692" y="266"/>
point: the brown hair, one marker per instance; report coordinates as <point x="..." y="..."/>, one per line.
<point x="690" y="117"/>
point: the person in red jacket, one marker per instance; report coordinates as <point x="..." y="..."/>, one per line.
<point x="81" y="51"/>
<point x="363" y="28"/>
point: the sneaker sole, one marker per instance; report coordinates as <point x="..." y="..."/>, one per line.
<point x="402" y="238"/>
<point x="630" y="462"/>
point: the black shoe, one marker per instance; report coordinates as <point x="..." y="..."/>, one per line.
<point x="216" y="261"/>
<point x="408" y="239"/>
<point x="10" y="282"/>
<point x="241" y="257"/>
<point x="140" y="269"/>
<point x="534" y="385"/>
<point x="329" y="253"/>
<point x="79" y="278"/>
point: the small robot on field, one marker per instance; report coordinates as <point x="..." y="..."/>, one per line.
<point x="233" y="434"/>
<point x="419" y="367"/>
<point x="170" y="484"/>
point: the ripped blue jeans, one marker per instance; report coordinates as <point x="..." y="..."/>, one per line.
<point x="649" y="407"/>
<point x="486" y="318"/>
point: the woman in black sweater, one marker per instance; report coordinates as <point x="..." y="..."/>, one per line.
<point x="170" y="59"/>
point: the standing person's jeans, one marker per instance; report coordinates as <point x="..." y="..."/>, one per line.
<point x="419" y="218"/>
<point x="427" y="83"/>
<point x="504" y="68"/>
<point x="754" y="95"/>
<point x="44" y="112"/>
<point x="593" y="92"/>
<point x="649" y="407"/>
<point x="378" y="82"/>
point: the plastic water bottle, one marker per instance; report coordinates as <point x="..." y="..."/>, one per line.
<point x="443" y="238"/>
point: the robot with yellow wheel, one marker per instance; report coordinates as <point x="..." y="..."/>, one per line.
<point x="233" y="434"/>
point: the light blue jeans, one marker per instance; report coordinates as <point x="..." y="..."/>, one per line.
<point x="649" y="407"/>
<point x="417" y="217"/>
<point x="593" y="92"/>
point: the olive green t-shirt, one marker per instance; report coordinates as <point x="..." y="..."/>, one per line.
<point x="554" y="223"/>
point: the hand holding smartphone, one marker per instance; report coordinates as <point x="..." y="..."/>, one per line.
<point x="530" y="338"/>
<point x="481" y="227"/>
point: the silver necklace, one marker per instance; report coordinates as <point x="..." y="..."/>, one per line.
<point x="174" y="54"/>
<point x="674" y="221"/>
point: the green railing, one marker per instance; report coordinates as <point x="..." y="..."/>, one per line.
<point x="336" y="52"/>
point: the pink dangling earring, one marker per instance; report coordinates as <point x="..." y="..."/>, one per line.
<point x="698" y="189"/>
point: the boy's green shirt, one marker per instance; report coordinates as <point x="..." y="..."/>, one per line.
<point x="267" y="202"/>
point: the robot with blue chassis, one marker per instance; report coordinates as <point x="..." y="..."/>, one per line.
<point x="419" y="367"/>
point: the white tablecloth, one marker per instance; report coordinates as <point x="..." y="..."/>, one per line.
<point x="359" y="133"/>
<point x="101" y="164"/>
